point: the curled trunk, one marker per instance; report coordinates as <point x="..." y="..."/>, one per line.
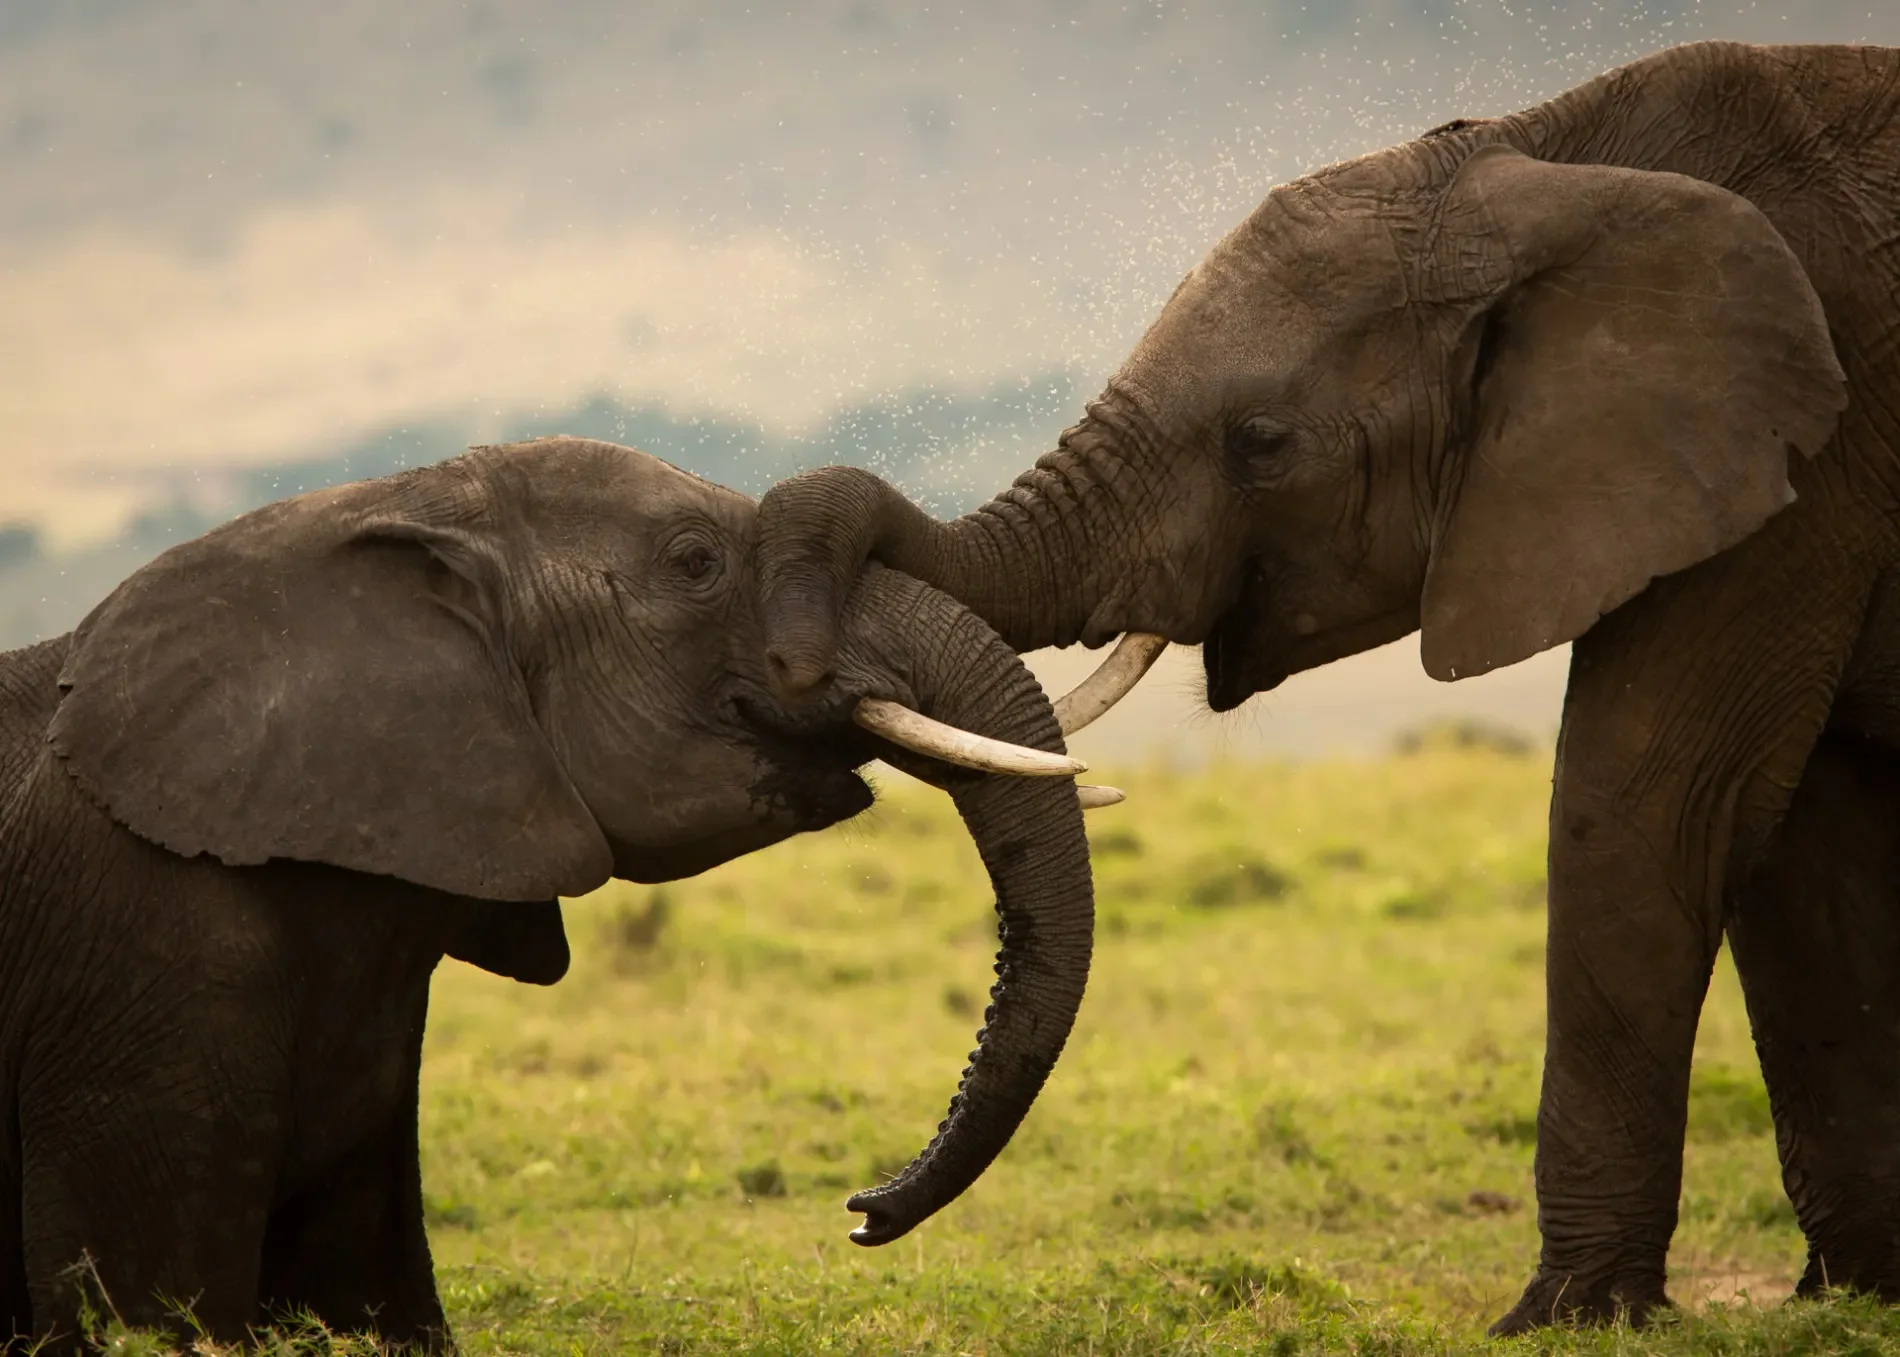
<point x="1028" y="832"/>
<point x="1045" y="563"/>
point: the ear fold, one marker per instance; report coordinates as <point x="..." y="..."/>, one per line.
<point x="326" y="680"/>
<point x="1652" y="352"/>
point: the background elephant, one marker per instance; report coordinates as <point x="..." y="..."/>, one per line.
<point x="251" y="802"/>
<point x="1618" y="370"/>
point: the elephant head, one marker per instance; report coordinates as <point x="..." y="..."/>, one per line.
<point x="515" y="674"/>
<point x="1450" y="386"/>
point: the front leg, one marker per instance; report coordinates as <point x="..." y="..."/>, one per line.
<point x="144" y="1185"/>
<point x="1816" y="936"/>
<point x="352" y="1250"/>
<point x="1689" y="717"/>
<point x="350" y="1246"/>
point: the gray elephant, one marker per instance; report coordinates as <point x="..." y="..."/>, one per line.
<point x="251" y="802"/>
<point x="1618" y="370"/>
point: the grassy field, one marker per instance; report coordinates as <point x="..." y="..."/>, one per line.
<point x="1297" y="1113"/>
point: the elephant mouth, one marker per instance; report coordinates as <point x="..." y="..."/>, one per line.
<point x="811" y="762"/>
<point x="1229" y="654"/>
<point x="800" y="781"/>
<point x="1243" y="656"/>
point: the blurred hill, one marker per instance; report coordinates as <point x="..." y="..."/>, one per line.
<point x="947" y="450"/>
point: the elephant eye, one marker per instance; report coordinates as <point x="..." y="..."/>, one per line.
<point x="692" y="557"/>
<point x="1258" y="439"/>
<point x="696" y="561"/>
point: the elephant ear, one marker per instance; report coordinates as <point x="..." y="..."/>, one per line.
<point x="1646" y="358"/>
<point x="327" y="680"/>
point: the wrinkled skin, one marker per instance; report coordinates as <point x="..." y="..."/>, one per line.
<point x="1615" y="370"/>
<point x="249" y="805"/>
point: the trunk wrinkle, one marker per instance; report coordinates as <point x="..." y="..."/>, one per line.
<point x="1049" y="561"/>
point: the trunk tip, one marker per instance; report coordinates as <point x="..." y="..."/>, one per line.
<point x="880" y="1225"/>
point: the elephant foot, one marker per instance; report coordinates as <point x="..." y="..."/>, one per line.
<point x="1568" y="1298"/>
<point x="1870" y="1272"/>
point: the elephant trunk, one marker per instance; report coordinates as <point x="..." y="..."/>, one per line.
<point x="1028" y="832"/>
<point x="1044" y="563"/>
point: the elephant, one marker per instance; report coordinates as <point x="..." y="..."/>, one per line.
<point x="1616" y="370"/>
<point x="249" y="804"/>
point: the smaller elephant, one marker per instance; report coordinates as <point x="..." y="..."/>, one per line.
<point x="251" y="802"/>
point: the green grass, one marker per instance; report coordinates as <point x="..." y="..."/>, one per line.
<point x="1297" y="1113"/>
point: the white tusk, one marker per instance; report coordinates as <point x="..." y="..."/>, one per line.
<point x="917" y="732"/>
<point x="1094" y="798"/>
<point x="1133" y="656"/>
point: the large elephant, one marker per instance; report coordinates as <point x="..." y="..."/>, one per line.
<point x="1618" y="370"/>
<point x="249" y="804"/>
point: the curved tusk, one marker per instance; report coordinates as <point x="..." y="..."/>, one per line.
<point x="1094" y="798"/>
<point x="1133" y="656"/>
<point x="918" y="733"/>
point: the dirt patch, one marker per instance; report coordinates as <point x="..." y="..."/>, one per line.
<point x="1706" y="1283"/>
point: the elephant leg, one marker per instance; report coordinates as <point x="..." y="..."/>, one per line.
<point x="140" y="1202"/>
<point x="350" y="1246"/>
<point x="1816" y="938"/>
<point x="1690" y="715"/>
<point x="16" y="1306"/>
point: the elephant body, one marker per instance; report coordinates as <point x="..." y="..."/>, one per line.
<point x="1618" y="370"/>
<point x="249" y="805"/>
<point x="226" y="1058"/>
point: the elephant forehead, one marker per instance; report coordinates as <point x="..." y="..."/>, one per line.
<point x="1334" y="252"/>
<point x="1217" y="327"/>
<point x="583" y="480"/>
<point x="1310" y="270"/>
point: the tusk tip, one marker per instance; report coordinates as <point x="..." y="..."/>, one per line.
<point x="1095" y="798"/>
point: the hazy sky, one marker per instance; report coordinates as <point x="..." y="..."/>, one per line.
<point x="231" y="233"/>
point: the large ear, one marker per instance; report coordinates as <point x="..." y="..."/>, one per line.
<point x="1648" y="353"/>
<point x="327" y="679"/>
